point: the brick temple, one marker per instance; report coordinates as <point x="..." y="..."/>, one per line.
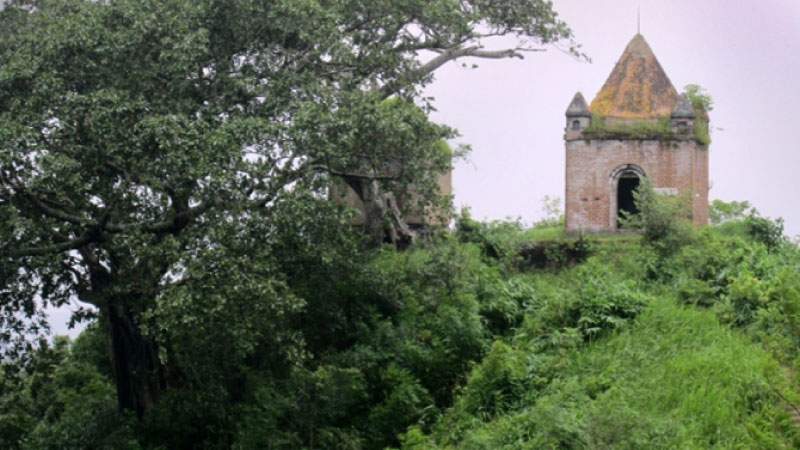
<point x="637" y="126"/>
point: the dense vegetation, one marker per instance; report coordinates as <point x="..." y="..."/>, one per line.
<point x="683" y="339"/>
<point x="167" y="163"/>
<point x="164" y="163"/>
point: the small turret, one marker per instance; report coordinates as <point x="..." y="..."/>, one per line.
<point x="578" y="116"/>
<point x="682" y="116"/>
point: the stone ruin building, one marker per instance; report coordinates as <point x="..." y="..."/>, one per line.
<point x="637" y="126"/>
<point x="416" y="220"/>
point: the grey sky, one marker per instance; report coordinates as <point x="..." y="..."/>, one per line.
<point x="744" y="53"/>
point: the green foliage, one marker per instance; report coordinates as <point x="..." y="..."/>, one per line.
<point x="406" y="402"/>
<point x="720" y="211"/>
<point x="552" y="390"/>
<point x="503" y="301"/>
<point x="311" y="408"/>
<point x="777" y="324"/>
<point x="496" y="383"/>
<point x="442" y="346"/>
<point x="701" y="131"/>
<point x="663" y="220"/>
<point x="597" y="305"/>
<point x="170" y="162"/>
<point x="702" y="102"/>
<point x="660" y="128"/>
<point x="544" y="245"/>
<point x="631" y="391"/>
<point x="553" y="213"/>
<point x="152" y="153"/>
<point x="496" y="239"/>
<point x="60" y="400"/>
<point x="768" y="232"/>
<point x="700" y="98"/>
<point x="442" y="325"/>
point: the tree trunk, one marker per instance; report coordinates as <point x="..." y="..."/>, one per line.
<point x="138" y="372"/>
<point x="383" y="220"/>
<point x="400" y="233"/>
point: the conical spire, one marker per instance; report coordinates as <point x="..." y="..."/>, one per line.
<point x="683" y="108"/>
<point x="577" y="108"/>
<point x="637" y="87"/>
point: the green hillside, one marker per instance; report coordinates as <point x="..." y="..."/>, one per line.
<point x="490" y="336"/>
<point x="629" y="351"/>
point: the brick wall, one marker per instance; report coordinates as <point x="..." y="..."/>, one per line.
<point x="590" y="196"/>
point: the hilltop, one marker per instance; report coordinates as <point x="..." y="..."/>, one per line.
<point x="491" y="336"/>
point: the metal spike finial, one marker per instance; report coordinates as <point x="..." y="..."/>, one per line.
<point x="639" y="20"/>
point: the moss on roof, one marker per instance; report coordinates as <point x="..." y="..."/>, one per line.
<point x="637" y="87"/>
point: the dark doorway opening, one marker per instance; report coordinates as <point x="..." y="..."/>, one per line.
<point x="627" y="184"/>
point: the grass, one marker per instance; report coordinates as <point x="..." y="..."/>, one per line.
<point x="644" y="129"/>
<point x="605" y="355"/>
<point x="598" y="125"/>
<point x="675" y="379"/>
<point x="555" y="233"/>
<point x="692" y="381"/>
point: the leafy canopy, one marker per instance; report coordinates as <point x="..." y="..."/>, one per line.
<point x="151" y="151"/>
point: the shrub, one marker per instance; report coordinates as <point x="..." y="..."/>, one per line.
<point x="663" y="219"/>
<point x="495" y="384"/>
<point x="503" y="301"/>
<point x="766" y="231"/>
<point x="697" y="292"/>
<point x="554" y="254"/>
<point x="59" y="401"/>
<point x="720" y="212"/>
<point x="497" y="239"/>
<point x="595" y="305"/>
<point x="748" y="294"/>
<point x="308" y="409"/>
<point x="404" y="402"/>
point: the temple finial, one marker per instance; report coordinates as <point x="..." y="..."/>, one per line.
<point x="639" y="20"/>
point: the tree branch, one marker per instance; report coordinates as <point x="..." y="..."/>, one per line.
<point x="73" y="244"/>
<point x="323" y="168"/>
<point x="446" y="55"/>
<point x="50" y="211"/>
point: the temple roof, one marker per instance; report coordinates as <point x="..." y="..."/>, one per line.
<point x="637" y="87"/>
<point x="683" y="108"/>
<point x="577" y="107"/>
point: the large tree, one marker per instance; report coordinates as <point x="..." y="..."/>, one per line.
<point x="138" y="137"/>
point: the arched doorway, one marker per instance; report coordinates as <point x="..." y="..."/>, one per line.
<point x="625" y="187"/>
<point x="625" y="180"/>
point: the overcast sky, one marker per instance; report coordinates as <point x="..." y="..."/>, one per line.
<point x="746" y="54"/>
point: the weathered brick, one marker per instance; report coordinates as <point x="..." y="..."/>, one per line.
<point x="637" y="124"/>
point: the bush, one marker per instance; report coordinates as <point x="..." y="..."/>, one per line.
<point x="663" y="219"/>
<point x="497" y="239"/>
<point x="649" y="386"/>
<point x="61" y="401"/>
<point x="766" y="231"/>
<point x="594" y="306"/>
<point x="495" y="384"/>
<point x="503" y="301"/>
<point x="405" y="401"/>
<point x="309" y="408"/>
<point x="720" y="212"/>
